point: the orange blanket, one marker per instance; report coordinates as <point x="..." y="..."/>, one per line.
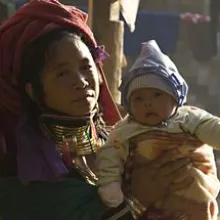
<point x="196" y="202"/>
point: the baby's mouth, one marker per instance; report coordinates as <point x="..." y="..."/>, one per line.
<point x="149" y="114"/>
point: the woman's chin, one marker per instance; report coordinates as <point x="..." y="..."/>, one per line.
<point x="83" y="109"/>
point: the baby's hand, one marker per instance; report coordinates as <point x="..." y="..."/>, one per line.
<point x="111" y="194"/>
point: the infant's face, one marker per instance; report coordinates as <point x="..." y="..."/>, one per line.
<point x="150" y="106"/>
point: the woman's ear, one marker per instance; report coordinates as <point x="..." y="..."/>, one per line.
<point x="29" y="90"/>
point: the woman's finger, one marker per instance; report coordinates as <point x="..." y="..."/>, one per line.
<point x="165" y="158"/>
<point x="173" y="166"/>
<point x="205" y="164"/>
<point x="207" y="168"/>
<point x="180" y="173"/>
<point x="202" y="154"/>
<point x="181" y="185"/>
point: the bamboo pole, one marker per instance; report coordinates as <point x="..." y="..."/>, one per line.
<point x="90" y="12"/>
<point x="109" y="31"/>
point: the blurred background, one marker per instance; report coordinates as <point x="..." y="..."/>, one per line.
<point x="184" y="29"/>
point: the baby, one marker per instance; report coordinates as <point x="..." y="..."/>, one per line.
<point x="154" y="94"/>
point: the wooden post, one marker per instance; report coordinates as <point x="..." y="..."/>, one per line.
<point x="109" y="31"/>
<point x="90" y="12"/>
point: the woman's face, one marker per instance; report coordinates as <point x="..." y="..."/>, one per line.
<point x="70" y="79"/>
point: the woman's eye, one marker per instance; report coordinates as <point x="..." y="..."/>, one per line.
<point x="86" y="67"/>
<point x="62" y="73"/>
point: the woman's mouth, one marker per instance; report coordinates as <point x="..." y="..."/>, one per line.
<point x="84" y="97"/>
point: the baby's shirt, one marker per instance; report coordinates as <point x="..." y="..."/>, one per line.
<point x="196" y="122"/>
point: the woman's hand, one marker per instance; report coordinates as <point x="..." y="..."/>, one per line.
<point x="204" y="160"/>
<point x="153" y="180"/>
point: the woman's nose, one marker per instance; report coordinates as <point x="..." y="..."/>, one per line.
<point x="80" y="82"/>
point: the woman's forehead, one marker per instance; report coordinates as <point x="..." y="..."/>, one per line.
<point x="71" y="45"/>
<point x="69" y="49"/>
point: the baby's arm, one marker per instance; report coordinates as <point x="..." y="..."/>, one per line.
<point x="109" y="164"/>
<point x="202" y="125"/>
<point x="110" y="168"/>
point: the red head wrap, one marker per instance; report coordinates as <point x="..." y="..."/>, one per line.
<point x="31" y="21"/>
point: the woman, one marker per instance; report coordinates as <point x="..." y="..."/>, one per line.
<point x="55" y="108"/>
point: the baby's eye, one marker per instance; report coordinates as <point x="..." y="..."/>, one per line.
<point x="138" y="98"/>
<point x="158" y="94"/>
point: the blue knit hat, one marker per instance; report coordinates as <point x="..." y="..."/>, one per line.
<point x="153" y="62"/>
